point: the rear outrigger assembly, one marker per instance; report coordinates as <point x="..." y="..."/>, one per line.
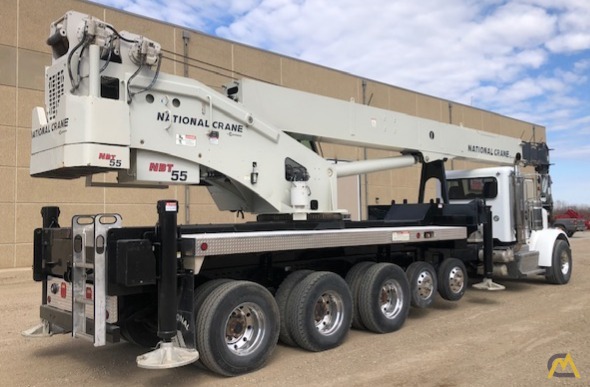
<point x="488" y="249"/>
<point x="50" y="216"/>
<point x="169" y="353"/>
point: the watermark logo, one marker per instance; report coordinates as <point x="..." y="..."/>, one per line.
<point x="563" y="361"/>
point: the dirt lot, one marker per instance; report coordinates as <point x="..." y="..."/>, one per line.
<point x="499" y="338"/>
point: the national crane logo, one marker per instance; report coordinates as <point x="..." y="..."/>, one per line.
<point x="199" y="122"/>
<point x="51" y="127"/>
<point x="488" y="151"/>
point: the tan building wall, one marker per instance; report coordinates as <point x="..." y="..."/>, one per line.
<point x="24" y="26"/>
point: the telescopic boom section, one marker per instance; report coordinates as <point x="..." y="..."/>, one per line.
<point x="320" y="118"/>
<point x="110" y="108"/>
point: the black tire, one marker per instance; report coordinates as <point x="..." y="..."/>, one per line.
<point x="353" y="279"/>
<point x="384" y="298"/>
<point x="452" y="279"/>
<point x="140" y="329"/>
<point x="319" y="311"/>
<point x="560" y="271"/>
<point x="201" y="293"/>
<point x="251" y="313"/>
<point x="139" y="323"/>
<point x="204" y="290"/>
<point x="423" y="284"/>
<point x="282" y="296"/>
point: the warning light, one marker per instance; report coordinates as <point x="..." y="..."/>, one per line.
<point x="63" y="290"/>
<point x="89" y="293"/>
<point x="204" y="246"/>
<point x="428" y="234"/>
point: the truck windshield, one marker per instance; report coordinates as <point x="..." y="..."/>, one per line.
<point x="472" y="188"/>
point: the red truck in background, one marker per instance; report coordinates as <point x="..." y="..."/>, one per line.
<point x="571" y="222"/>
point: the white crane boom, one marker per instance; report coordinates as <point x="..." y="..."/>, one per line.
<point x="110" y="108"/>
<point x="348" y="123"/>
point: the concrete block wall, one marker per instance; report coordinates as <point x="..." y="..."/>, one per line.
<point x="24" y="26"/>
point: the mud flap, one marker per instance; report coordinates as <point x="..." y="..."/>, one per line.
<point x="185" y="315"/>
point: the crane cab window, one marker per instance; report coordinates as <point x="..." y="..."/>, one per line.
<point x="295" y="171"/>
<point x="472" y="188"/>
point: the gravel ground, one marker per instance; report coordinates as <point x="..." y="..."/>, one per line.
<point x="486" y="339"/>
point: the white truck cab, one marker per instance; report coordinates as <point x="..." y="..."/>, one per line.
<point x="524" y="244"/>
<point x="466" y="185"/>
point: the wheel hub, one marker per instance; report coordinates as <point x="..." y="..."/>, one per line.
<point x="425" y="285"/>
<point x="244" y="329"/>
<point x="456" y="280"/>
<point x="328" y="313"/>
<point x="391" y="299"/>
<point x="564" y="263"/>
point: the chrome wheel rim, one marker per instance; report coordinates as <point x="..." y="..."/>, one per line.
<point x="456" y="280"/>
<point x="425" y="285"/>
<point x="391" y="299"/>
<point x="245" y="329"/>
<point x="564" y="261"/>
<point x="328" y="313"/>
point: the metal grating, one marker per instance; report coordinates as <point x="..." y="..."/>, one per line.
<point x="55" y="87"/>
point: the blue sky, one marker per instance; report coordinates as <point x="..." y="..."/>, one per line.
<point x="528" y="59"/>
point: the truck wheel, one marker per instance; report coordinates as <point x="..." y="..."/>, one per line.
<point x="138" y="320"/>
<point x="140" y="326"/>
<point x="237" y="328"/>
<point x="201" y="294"/>
<point x="560" y="271"/>
<point x="282" y="296"/>
<point x="353" y="279"/>
<point x="423" y="284"/>
<point x="204" y="290"/>
<point x="319" y="311"/>
<point x="384" y="298"/>
<point x="452" y="279"/>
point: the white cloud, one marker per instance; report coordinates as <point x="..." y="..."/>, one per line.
<point x="569" y="43"/>
<point x="523" y="58"/>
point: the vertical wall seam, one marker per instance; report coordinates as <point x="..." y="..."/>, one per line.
<point x="16" y="134"/>
<point x="104" y="175"/>
<point x="175" y="49"/>
<point x="281" y="70"/>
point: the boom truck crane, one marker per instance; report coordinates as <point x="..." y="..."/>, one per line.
<point x="302" y="273"/>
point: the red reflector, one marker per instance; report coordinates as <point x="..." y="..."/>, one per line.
<point x="89" y="293"/>
<point x="49" y="299"/>
<point x="417" y="235"/>
<point x="204" y="246"/>
<point x="63" y="290"/>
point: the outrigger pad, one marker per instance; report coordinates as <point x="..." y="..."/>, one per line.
<point x="45" y="329"/>
<point x="167" y="355"/>
<point x="488" y="284"/>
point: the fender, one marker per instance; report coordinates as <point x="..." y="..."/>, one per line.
<point x="543" y="241"/>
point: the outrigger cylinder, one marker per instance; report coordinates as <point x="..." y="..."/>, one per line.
<point x="167" y="303"/>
